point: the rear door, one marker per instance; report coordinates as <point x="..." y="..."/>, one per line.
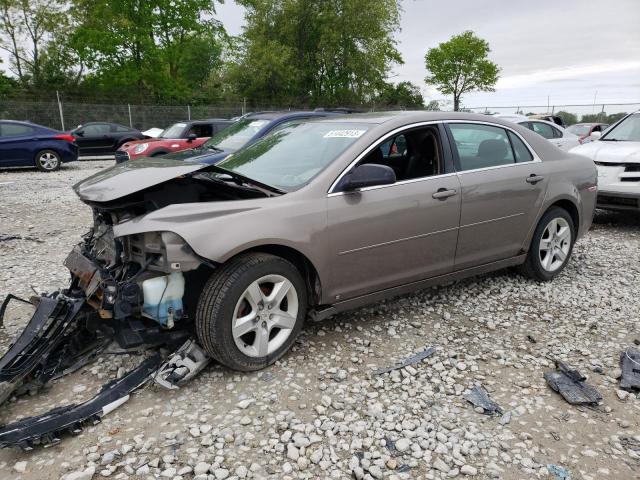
<point x="503" y="185"/>
<point x="17" y="144"/>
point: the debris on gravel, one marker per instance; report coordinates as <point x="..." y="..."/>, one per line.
<point x="320" y="412"/>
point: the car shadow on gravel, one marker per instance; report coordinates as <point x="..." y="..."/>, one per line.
<point x="623" y="220"/>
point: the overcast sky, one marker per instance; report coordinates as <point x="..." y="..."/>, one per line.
<point x="566" y="50"/>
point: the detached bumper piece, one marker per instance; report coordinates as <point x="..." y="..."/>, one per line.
<point x="182" y="366"/>
<point x="630" y="366"/>
<point x="570" y="384"/>
<point x="43" y="349"/>
<point x="47" y="429"/>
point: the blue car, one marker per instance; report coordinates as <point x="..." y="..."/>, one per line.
<point x="24" y="144"/>
<point x="245" y="131"/>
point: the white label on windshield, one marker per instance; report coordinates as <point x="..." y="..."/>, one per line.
<point x="344" y="133"/>
<point x="257" y="123"/>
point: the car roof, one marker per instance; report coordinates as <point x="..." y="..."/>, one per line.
<point x="283" y="115"/>
<point x="27" y="123"/>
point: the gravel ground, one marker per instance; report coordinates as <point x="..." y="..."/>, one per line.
<point x="320" y="412"/>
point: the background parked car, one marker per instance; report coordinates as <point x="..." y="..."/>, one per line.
<point x="179" y="136"/>
<point x="245" y="132"/>
<point x="24" y="144"/>
<point x="557" y="135"/>
<point x="617" y="156"/>
<point x="584" y="131"/>
<point x="102" y="138"/>
<point x="549" y="118"/>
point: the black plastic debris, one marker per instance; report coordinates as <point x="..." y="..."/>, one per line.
<point x="418" y="357"/>
<point x="47" y="428"/>
<point x="571" y="385"/>
<point x="630" y="366"/>
<point x="5" y="304"/>
<point x="479" y="397"/>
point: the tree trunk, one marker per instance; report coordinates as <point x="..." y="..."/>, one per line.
<point x="456" y="103"/>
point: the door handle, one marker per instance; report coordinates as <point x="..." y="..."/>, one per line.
<point x="443" y="194"/>
<point x="533" y="179"/>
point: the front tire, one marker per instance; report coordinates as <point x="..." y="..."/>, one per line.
<point x="551" y="246"/>
<point x="48" y="161"/>
<point x="251" y="310"/>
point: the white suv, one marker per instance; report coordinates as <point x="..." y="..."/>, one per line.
<point x="617" y="156"/>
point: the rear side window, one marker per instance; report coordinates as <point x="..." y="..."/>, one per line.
<point x="543" y="129"/>
<point x="96" y="129"/>
<point x="520" y="150"/>
<point x="481" y="146"/>
<point x="120" y="128"/>
<point x="556" y="132"/>
<point x="14" y="130"/>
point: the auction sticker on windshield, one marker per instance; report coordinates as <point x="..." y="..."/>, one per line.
<point x="354" y="133"/>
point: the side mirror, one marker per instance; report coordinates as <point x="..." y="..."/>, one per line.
<point x="191" y="137"/>
<point x="80" y="133"/>
<point x="368" y="175"/>
<point x="596" y="135"/>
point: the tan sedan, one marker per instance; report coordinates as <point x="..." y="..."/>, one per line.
<point x="327" y="215"/>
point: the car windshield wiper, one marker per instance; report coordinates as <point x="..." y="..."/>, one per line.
<point x="246" y="180"/>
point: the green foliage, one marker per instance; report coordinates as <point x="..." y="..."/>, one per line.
<point x="567" y="117"/>
<point x="161" y="48"/>
<point x="460" y="65"/>
<point x="331" y="52"/>
<point x="602" y="117"/>
<point x="402" y="95"/>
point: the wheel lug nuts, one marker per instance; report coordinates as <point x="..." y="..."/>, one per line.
<point x="270" y="316"/>
<point x="264" y="324"/>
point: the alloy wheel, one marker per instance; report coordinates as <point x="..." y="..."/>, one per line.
<point x="48" y="161"/>
<point x="555" y="244"/>
<point x="265" y="316"/>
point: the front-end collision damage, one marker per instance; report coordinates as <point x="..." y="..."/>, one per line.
<point x="123" y="290"/>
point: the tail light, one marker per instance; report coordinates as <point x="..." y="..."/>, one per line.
<point x="65" y="137"/>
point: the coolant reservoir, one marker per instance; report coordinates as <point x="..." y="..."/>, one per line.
<point x="163" y="298"/>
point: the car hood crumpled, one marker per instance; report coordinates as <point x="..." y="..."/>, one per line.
<point x="611" y="152"/>
<point x="130" y="177"/>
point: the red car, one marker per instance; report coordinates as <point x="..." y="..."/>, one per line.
<point x="584" y="130"/>
<point x="179" y="136"/>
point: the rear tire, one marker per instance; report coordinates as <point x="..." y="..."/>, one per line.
<point x="551" y="246"/>
<point x="251" y="310"/>
<point x="48" y="161"/>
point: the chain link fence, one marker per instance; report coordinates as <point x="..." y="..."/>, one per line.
<point x="67" y="115"/>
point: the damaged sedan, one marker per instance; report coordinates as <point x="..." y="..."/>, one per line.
<point x="227" y="261"/>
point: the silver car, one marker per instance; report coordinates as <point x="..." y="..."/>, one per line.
<point x="323" y="216"/>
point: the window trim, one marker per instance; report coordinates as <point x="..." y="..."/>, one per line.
<point x="446" y="152"/>
<point x="459" y="171"/>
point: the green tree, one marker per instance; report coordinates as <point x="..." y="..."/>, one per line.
<point x="433" y="105"/>
<point x="401" y="95"/>
<point x="163" y="48"/>
<point x="567" y="117"/>
<point x="460" y="65"/>
<point x="330" y="52"/>
<point x="27" y="27"/>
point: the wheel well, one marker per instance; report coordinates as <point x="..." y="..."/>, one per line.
<point x="301" y="262"/>
<point x="570" y="207"/>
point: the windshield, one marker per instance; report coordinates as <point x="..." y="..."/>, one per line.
<point x="628" y="130"/>
<point x="174" y="131"/>
<point x="289" y="158"/>
<point x="236" y="135"/>
<point x="579" y="129"/>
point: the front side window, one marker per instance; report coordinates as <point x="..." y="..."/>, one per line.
<point x="481" y="146"/>
<point x="289" y="158"/>
<point x="628" y="130"/>
<point x="415" y="153"/>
